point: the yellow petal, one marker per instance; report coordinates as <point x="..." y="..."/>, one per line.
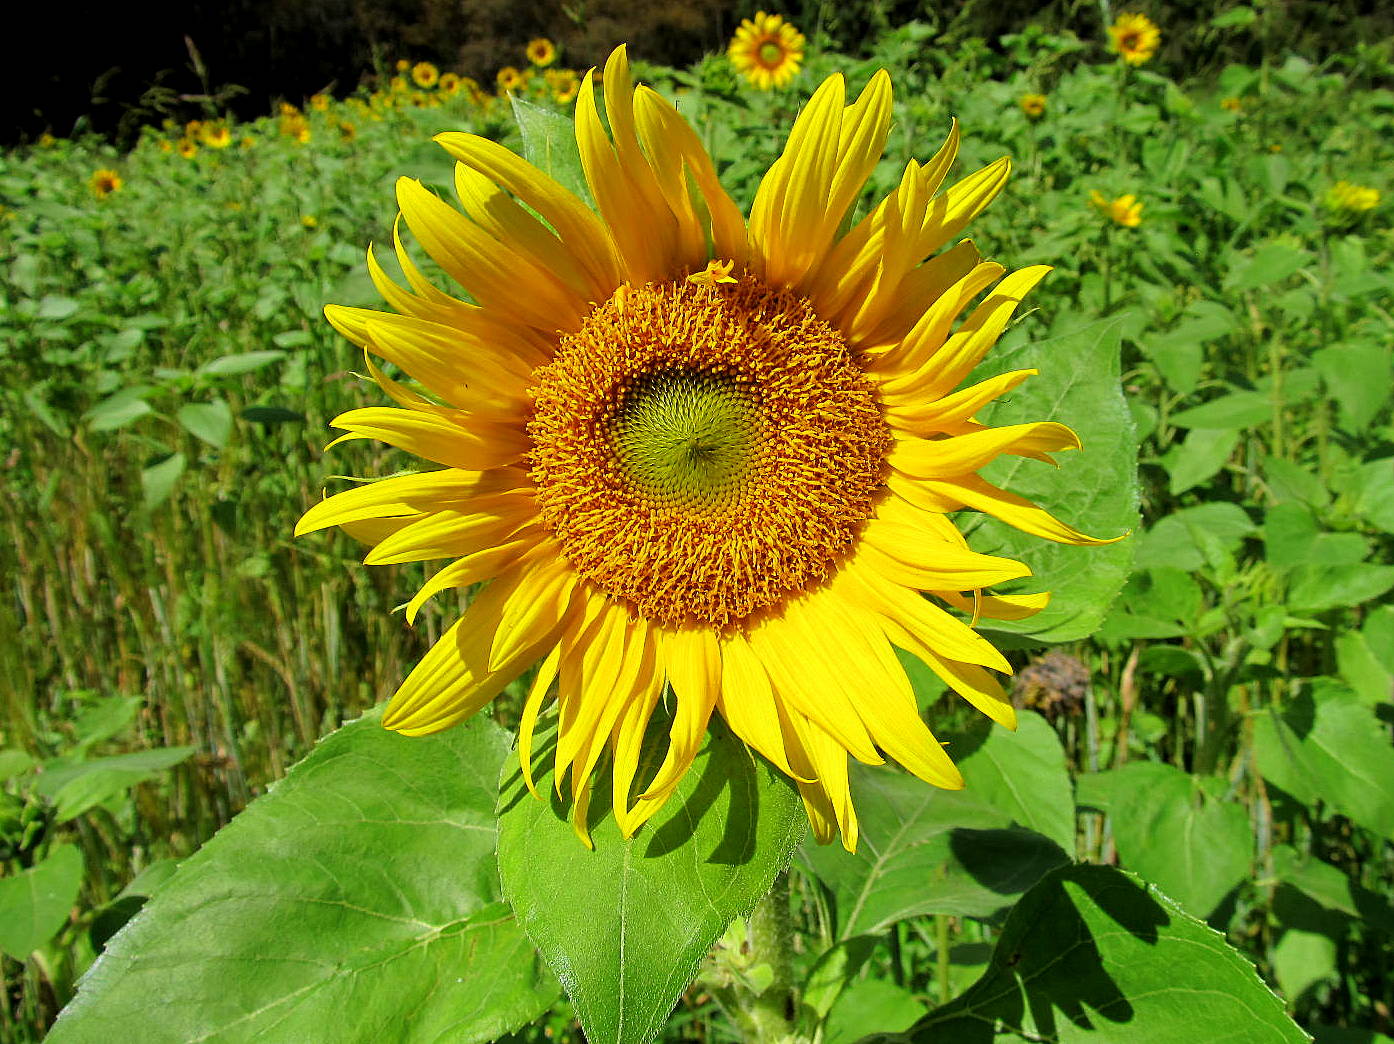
<point x="902" y="363"/>
<point x="541" y="600"/>
<point x="574" y="221"/>
<point x="466" y="443"/>
<point x="532" y="707"/>
<point x="488" y="522"/>
<point x="476" y="568"/>
<point x="977" y="493"/>
<point x="746" y="701"/>
<point x="963" y="454"/>
<point x="952" y="411"/>
<point x="693" y="663"/>
<point x="407" y="495"/>
<point x="915" y="559"/>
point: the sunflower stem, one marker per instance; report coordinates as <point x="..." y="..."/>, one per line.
<point x="771" y="1011"/>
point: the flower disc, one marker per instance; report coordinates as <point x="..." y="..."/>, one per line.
<point x="702" y="451"/>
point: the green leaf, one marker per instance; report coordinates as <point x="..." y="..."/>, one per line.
<point x="871" y="1004"/>
<point x="549" y="144"/>
<point x="1302" y="959"/>
<point x="1232" y="412"/>
<point x="157" y="481"/>
<point x="116" y="412"/>
<point x="55" y="307"/>
<point x="242" y="362"/>
<point x="361" y="888"/>
<point x="1203" y="453"/>
<point x="1329" y="746"/>
<point x="1270" y="263"/>
<point x="272" y="415"/>
<point x="1168" y="829"/>
<point x="925" y="850"/>
<point x="1091" y="955"/>
<point x="1318" y="587"/>
<point x="34" y="903"/>
<point x="1183" y="538"/>
<point x="209" y="421"/>
<point x="1022" y="774"/>
<point x="1359" y="377"/>
<point x="626" y="926"/>
<point x="1094" y="489"/>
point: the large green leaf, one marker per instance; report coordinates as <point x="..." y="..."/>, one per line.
<point x="925" y="850"/>
<point x="357" y="902"/>
<point x="549" y="144"/>
<point x="1328" y="746"/>
<point x="1094" y="489"/>
<point x="626" y="926"/>
<point x="1171" y="830"/>
<point x="35" y="903"/>
<point x="1091" y="955"/>
<point x="1022" y="774"/>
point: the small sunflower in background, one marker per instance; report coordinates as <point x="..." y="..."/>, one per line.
<point x="541" y="52"/>
<point x="402" y="65"/>
<point x="1033" y="105"/>
<point x="347" y="131"/>
<point x="187" y="148"/>
<point x="509" y="78"/>
<point x="1134" y="38"/>
<point x="698" y="458"/>
<point x="767" y="51"/>
<point x="1346" y="203"/>
<point x="564" y="84"/>
<point x="1125" y="210"/>
<point x="215" y="135"/>
<point x="424" y="75"/>
<point x="449" y="84"/>
<point x="1232" y="105"/>
<point x="319" y="102"/>
<point x="104" y="182"/>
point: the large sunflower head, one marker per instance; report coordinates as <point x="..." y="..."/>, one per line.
<point x="1135" y="38"/>
<point x="767" y="50"/>
<point x="699" y="461"/>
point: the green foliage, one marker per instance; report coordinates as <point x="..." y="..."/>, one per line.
<point x="362" y="888"/>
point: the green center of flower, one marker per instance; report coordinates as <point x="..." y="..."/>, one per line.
<point x="686" y="437"/>
<point x="771" y="53"/>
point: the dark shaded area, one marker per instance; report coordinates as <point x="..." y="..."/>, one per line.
<point x="111" y="68"/>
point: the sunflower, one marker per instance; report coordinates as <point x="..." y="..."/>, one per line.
<point x="1134" y="37"/>
<point x="320" y="102"/>
<point x="541" y="52"/>
<point x="564" y="84"/>
<point x="1125" y="210"/>
<point x="424" y="74"/>
<point x="449" y="84"/>
<point x="215" y="135"/>
<point x="509" y="78"/>
<point x="694" y="455"/>
<point x="104" y="182"/>
<point x="767" y="51"/>
<point x="1033" y="105"/>
<point x="188" y="149"/>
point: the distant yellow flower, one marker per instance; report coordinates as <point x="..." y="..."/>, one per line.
<point x="47" y="140"/>
<point x="398" y="85"/>
<point x="1231" y="105"/>
<point x="104" y="182"/>
<point x="564" y="83"/>
<point x="319" y="102"/>
<point x="309" y="221"/>
<point x="509" y="78"/>
<point x="424" y="74"/>
<point x="193" y="128"/>
<point x="187" y="148"/>
<point x="766" y="51"/>
<point x="287" y="109"/>
<point x="166" y="145"/>
<point x="1125" y="210"/>
<point x="701" y="493"/>
<point x="1135" y="38"/>
<point x="347" y="131"/>
<point x="1034" y="105"/>
<point x="1346" y="200"/>
<point x="541" y="52"/>
<point x="215" y="135"/>
<point x="449" y="84"/>
<point x="402" y="65"/>
<point x="296" y="127"/>
<point x="248" y="142"/>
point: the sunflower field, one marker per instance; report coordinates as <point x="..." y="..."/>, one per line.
<point x="1168" y="814"/>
